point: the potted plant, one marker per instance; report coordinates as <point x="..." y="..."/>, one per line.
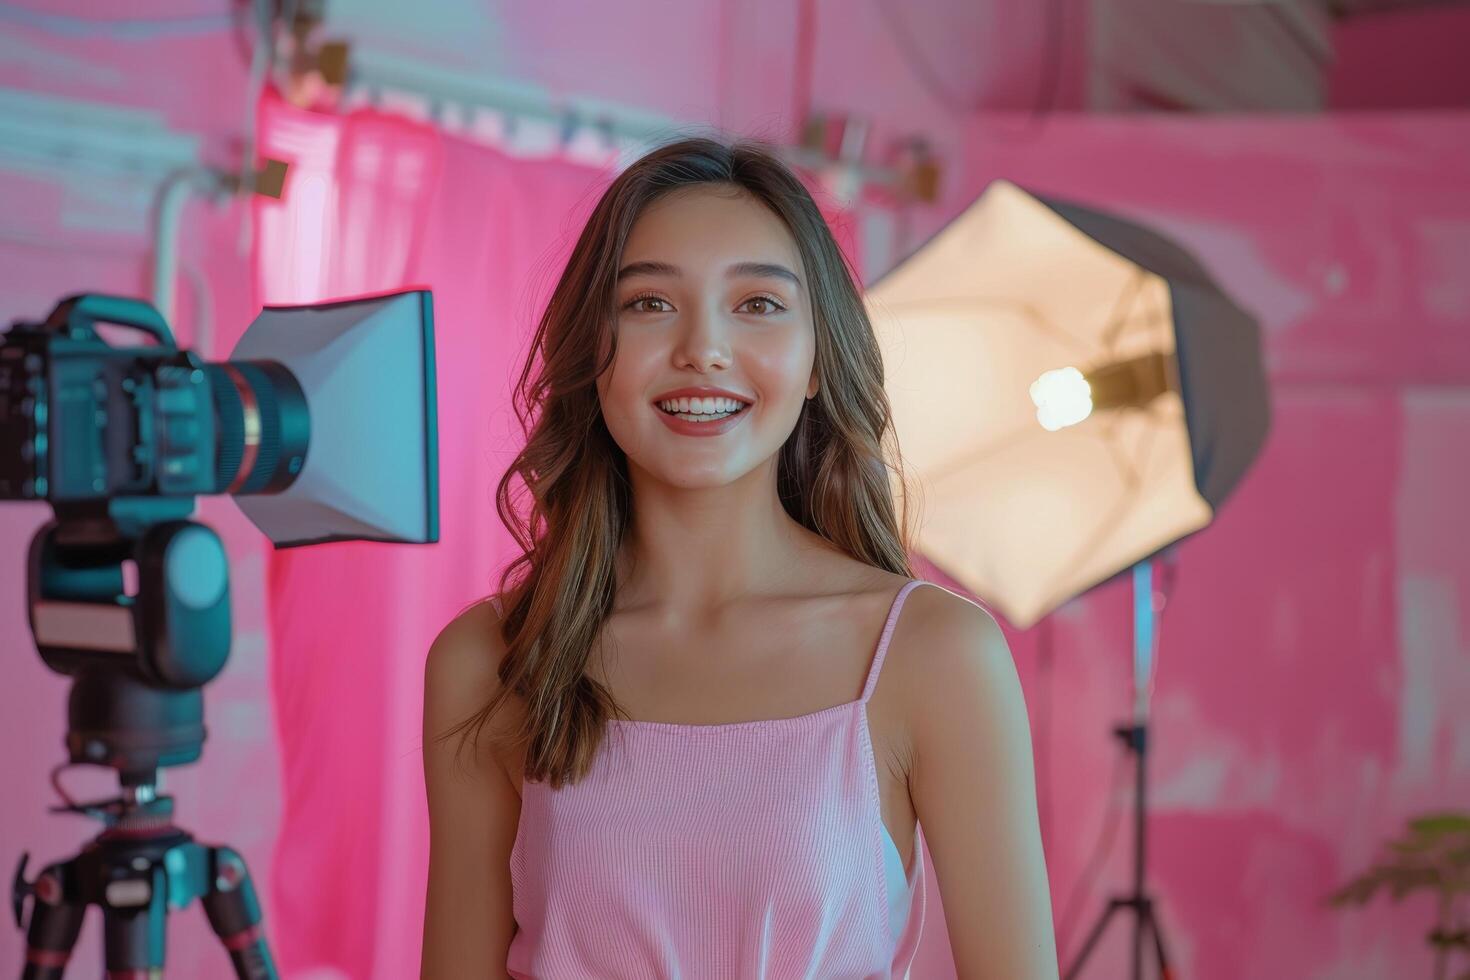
<point x="1434" y="854"/>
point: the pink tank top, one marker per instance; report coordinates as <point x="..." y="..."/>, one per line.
<point x="751" y="850"/>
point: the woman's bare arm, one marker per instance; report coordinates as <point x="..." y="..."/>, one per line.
<point x="974" y="788"/>
<point x="473" y="808"/>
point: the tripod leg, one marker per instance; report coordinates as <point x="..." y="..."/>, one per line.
<point x="55" y="925"/>
<point x="1151" y="920"/>
<point x="135" y="923"/>
<point x="234" y="914"/>
<point x="1093" y="937"/>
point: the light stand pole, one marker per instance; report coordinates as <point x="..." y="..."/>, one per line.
<point x="1147" y="604"/>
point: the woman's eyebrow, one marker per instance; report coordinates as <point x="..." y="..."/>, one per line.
<point x="758" y="269"/>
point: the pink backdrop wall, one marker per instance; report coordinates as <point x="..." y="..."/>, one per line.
<point x="1313" y="676"/>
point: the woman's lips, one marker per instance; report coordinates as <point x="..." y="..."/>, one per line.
<point x="687" y="428"/>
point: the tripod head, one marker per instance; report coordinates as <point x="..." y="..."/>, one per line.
<point x="139" y="661"/>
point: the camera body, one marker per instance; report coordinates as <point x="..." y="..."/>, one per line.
<point x="83" y="419"/>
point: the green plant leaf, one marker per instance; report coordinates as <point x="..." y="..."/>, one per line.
<point x="1434" y="854"/>
<point x="1436" y="824"/>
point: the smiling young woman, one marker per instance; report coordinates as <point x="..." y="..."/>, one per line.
<point x="698" y="765"/>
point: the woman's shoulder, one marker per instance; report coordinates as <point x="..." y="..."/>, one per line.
<point x="936" y="631"/>
<point x="929" y="607"/>
<point x="942" y="619"/>
<point x="954" y="651"/>
<point x="473" y="636"/>
<point x="462" y="677"/>
<point x="462" y="670"/>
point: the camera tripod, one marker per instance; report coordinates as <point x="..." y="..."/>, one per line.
<point x="139" y="664"/>
<point x="134" y="870"/>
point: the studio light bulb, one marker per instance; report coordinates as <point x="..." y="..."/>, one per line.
<point x="1062" y="397"/>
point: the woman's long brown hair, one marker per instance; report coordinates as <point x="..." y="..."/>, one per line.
<point x="832" y="474"/>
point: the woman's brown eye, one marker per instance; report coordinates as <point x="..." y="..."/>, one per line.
<point x="771" y="305"/>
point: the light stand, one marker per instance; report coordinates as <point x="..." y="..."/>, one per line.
<point x="1147" y="604"/>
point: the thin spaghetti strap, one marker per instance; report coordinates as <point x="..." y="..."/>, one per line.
<point x="872" y="681"/>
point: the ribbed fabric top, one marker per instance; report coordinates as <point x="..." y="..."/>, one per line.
<point x="750" y="850"/>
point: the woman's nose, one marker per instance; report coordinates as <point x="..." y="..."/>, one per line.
<point x="704" y="337"/>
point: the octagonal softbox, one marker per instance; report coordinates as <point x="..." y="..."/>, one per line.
<point x="1072" y="393"/>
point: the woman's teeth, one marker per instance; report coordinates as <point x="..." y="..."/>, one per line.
<point x="701" y="409"/>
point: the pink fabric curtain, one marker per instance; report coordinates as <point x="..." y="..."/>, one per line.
<point x="351" y="219"/>
<point x="380" y="203"/>
<point x="377" y="203"/>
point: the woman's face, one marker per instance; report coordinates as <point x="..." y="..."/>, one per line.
<point x="711" y="292"/>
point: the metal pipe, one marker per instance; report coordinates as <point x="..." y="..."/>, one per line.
<point x="172" y="195"/>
